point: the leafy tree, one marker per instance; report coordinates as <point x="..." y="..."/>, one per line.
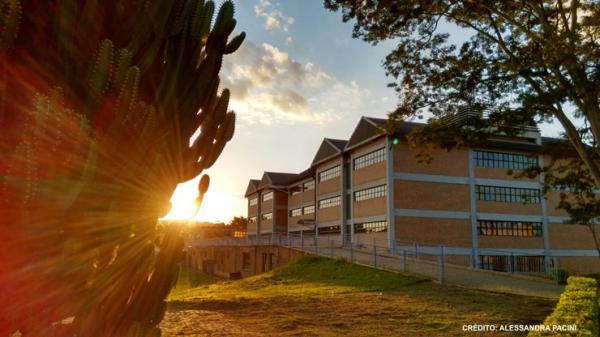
<point x="239" y="222"/>
<point x="99" y="102"/>
<point x="522" y="61"/>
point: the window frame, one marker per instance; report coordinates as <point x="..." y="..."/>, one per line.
<point x="529" y="229"/>
<point x="267" y="196"/>
<point x="294" y="210"/>
<point x="379" y="191"/>
<point x="504" y="160"/>
<point x="311" y="186"/>
<point x="371" y="227"/>
<point x="329" y="202"/>
<point x="368" y="159"/>
<point x="330" y="173"/>
<point x="508" y="194"/>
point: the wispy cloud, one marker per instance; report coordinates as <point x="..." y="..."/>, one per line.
<point x="274" y="18"/>
<point x="270" y="87"/>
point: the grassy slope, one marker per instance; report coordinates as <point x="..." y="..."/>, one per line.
<point x="321" y="297"/>
<point x="311" y="275"/>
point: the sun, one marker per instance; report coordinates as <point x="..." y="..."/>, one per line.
<point x="217" y="206"/>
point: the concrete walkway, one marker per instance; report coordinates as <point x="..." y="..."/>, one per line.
<point x="430" y="267"/>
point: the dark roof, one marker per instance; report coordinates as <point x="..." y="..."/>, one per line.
<point x="280" y="178"/>
<point x="376" y="121"/>
<point x="339" y="143"/>
<point x="308" y="173"/>
<point x="329" y="148"/>
<point x="275" y="179"/>
<point x="252" y="187"/>
<point x="366" y="129"/>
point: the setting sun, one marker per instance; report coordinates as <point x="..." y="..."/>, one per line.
<point x="217" y="206"/>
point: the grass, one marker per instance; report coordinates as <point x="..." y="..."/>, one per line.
<point x="317" y="296"/>
<point x="311" y="275"/>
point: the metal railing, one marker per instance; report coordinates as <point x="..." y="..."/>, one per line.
<point x="503" y="270"/>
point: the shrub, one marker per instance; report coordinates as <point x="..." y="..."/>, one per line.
<point x="559" y="275"/>
<point x="578" y="305"/>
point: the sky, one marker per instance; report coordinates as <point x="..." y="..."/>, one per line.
<point x="298" y="77"/>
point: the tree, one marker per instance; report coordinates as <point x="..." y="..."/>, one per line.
<point x="523" y="62"/>
<point x="240" y="223"/>
<point x="99" y="104"/>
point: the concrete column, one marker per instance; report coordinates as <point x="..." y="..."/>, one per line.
<point x="391" y="217"/>
<point x="473" y="208"/>
<point x="545" y="222"/>
<point x="343" y="194"/>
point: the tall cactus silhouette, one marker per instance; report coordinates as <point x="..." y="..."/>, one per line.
<point x="105" y="106"/>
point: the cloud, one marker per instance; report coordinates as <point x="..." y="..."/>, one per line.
<point x="289" y="41"/>
<point x="274" y="18"/>
<point x="270" y="87"/>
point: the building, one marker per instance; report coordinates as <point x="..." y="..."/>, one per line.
<point x="370" y="188"/>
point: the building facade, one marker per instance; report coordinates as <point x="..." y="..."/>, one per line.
<point x="371" y="188"/>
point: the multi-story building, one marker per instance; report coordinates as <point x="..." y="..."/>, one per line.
<point x="371" y="188"/>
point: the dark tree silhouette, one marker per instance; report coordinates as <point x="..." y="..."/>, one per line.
<point x="99" y="101"/>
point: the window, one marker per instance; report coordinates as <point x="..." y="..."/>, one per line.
<point x="329" y="173"/>
<point x="508" y="194"/>
<point x="331" y="202"/>
<point x="329" y="230"/>
<point x="370" y="193"/>
<point x="369" y="159"/>
<point x="309" y="209"/>
<point x="245" y="260"/>
<point x="309" y="185"/>
<point x="252" y="219"/>
<point x="296" y="212"/>
<point x="253" y="201"/>
<point x="371" y="227"/>
<point x="267" y="216"/>
<point x="509" y="228"/>
<point x="268" y="196"/>
<point x="504" y="160"/>
<point x="296" y="190"/>
<point x="507" y="263"/>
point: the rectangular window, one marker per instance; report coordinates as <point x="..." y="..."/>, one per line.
<point x="267" y="216"/>
<point x="296" y="212"/>
<point x="507" y="263"/>
<point x="369" y="159"/>
<point x="329" y="230"/>
<point x="296" y="190"/>
<point x="309" y="209"/>
<point x="331" y="202"/>
<point x="508" y="194"/>
<point x="267" y="196"/>
<point x="509" y="228"/>
<point x="329" y="173"/>
<point x="370" y="193"/>
<point x="252" y="219"/>
<point x="371" y="227"/>
<point x="504" y="160"/>
<point x="253" y="201"/>
<point x="309" y="185"/>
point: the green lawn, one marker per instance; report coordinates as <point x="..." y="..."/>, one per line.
<point x="316" y="296"/>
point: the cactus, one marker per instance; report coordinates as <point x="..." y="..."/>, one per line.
<point x="99" y="101"/>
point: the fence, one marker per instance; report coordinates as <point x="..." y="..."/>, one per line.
<point x="492" y="270"/>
